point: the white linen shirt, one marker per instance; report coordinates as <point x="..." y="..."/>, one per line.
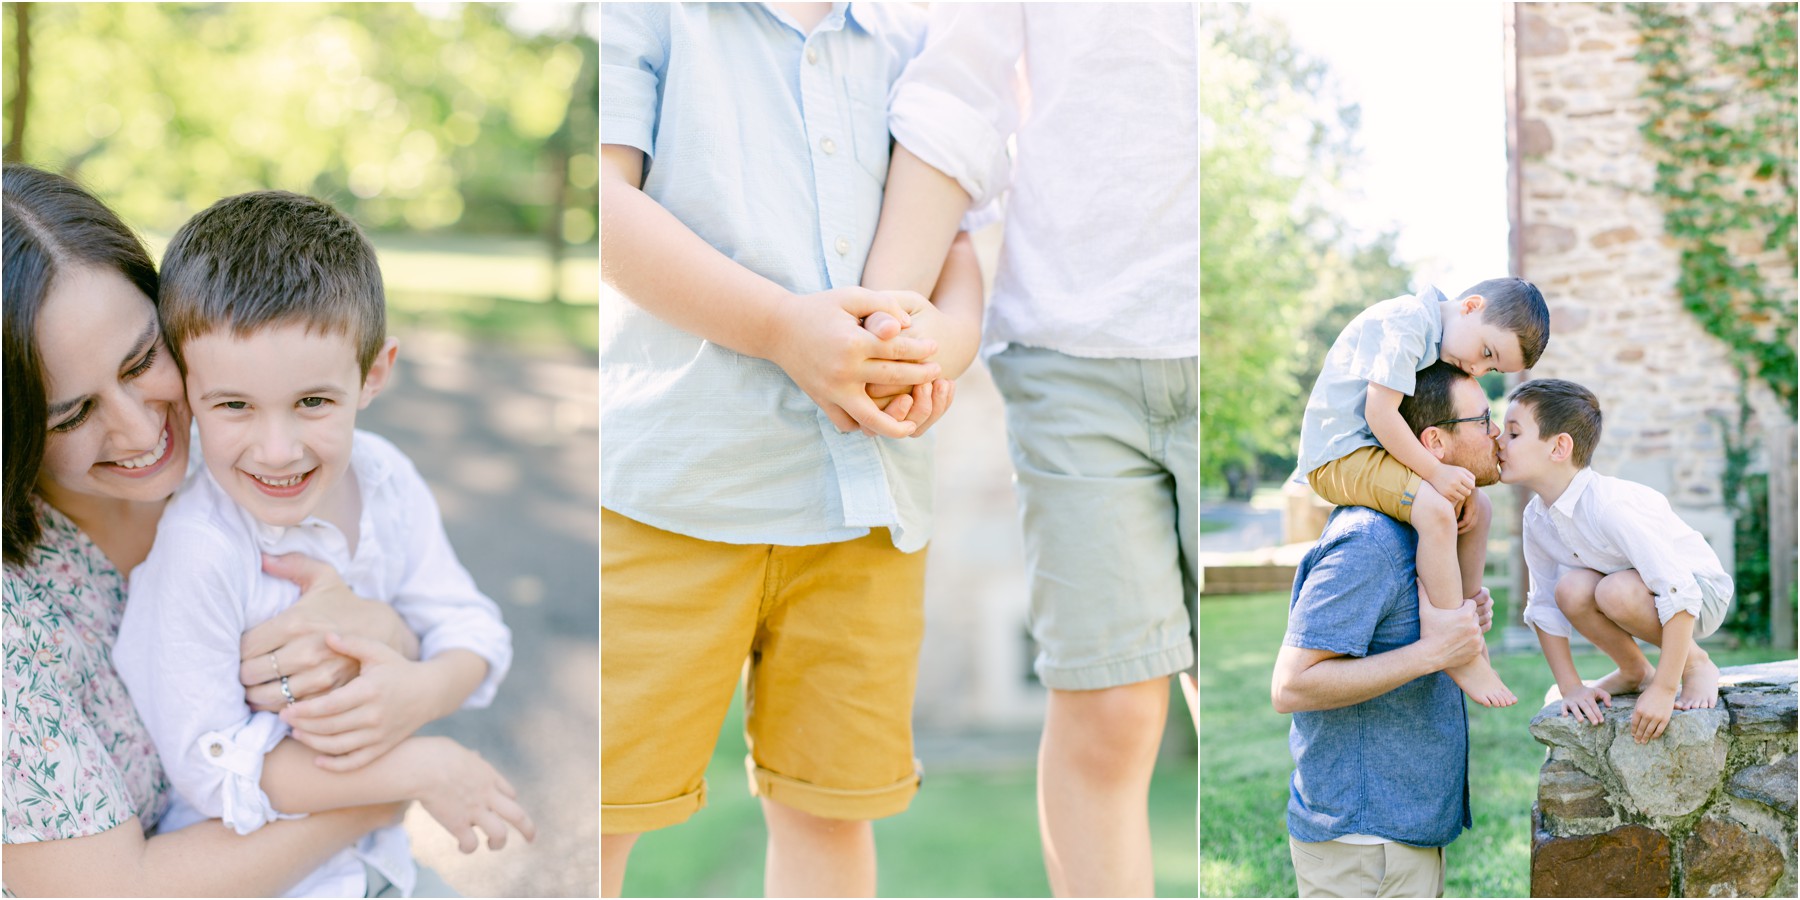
<point x="1101" y="256"/>
<point x="1609" y="525"/>
<point x="202" y="587"/>
<point x="772" y="146"/>
<point x="1388" y="344"/>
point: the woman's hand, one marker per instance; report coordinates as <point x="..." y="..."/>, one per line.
<point x="463" y="792"/>
<point x="384" y="705"/>
<point x="293" y="643"/>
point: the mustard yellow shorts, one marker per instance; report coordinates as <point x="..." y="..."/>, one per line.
<point x="1370" y="477"/>
<point x="832" y="635"/>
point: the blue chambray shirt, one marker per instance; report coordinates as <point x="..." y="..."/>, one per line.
<point x="1388" y="343"/>
<point x="772" y="145"/>
<point x="1395" y="766"/>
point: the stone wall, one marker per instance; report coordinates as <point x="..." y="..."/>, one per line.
<point x="1707" y="810"/>
<point x="1591" y="237"/>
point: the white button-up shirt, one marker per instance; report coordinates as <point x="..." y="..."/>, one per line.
<point x="202" y="587"/>
<point x="1102" y="250"/>
<point x="771" y="144"/>
<point x="1609" y="525"/>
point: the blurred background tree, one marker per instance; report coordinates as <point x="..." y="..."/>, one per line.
<point x="470" y="126"/>
<point x="1282" y="272"/>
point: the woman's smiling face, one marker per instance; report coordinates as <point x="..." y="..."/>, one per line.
<point x="118" y="417"/>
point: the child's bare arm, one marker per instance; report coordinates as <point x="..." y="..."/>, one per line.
<point x="1382" y="410"/>
<point x="1578" y="699"/>
<point x="918" y="248"/>
<point x="1657" y="703"/>
<point x="817" y="339"/>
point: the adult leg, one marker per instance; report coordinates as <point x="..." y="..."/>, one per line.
<point x="1577" y="597"/>
<point x="615" y="851"/>
<point x="1623" y="598"/>
<point x="812" y="856"/>
<point x="1094" y="767"/>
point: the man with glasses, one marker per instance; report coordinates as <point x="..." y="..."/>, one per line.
<point x="1380" y="737"/>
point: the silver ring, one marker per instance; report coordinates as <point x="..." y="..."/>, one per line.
<point x="275" y="665"/>
<point x="285" y="692"/>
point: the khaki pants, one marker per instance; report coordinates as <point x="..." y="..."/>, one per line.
<point x="1337" y="869"/>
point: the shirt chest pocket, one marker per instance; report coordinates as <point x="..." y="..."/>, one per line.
<point x="869" y="125"/>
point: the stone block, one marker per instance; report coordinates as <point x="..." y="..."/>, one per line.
<point x="1566" y="792"/>
<point x="1760" y="709"/>
<point x="1538" y="37"/>
<point x="1724" y="859"/>
<point x="1535" y="138"/>
<point x="1773" y="785"/>
<point x="1668" y="777"/>
<point x="1628" y="861"/>
<point x="1548" y="240"/>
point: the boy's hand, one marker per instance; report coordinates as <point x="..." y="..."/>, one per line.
<point x="1467" y="514"/>
<point x="296" y="637"/>
<point x="360" y="721"/>
<point x="921" y="404"/>
<point x="1584" y="704"/>
<point x="1651" y="717"/>
<point x="1454" y="482"/>
<point x="824" y="348"/>
<point x="462" y="792"/>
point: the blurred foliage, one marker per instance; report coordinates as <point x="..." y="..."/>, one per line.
<point x="1282" y="274"/>
<point x="467" y="117"/>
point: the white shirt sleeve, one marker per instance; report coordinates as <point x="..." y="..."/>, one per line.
<point x="438" y="598"/>
<point x="1542" y="573"/>
<point x="177" y="652"/>
<point x="957" y="102"/>
<point x="1639" y="523"/>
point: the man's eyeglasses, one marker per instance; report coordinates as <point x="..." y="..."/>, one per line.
<point x="1486" y="420"/>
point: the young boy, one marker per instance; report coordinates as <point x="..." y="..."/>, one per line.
<point x="272" y="305"/>
<point x="1355" y="449"/>
<point x="1609" y="558"/>
<point x="744" y="148"/>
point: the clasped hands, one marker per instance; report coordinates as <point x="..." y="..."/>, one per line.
<point x="865" y="357"/>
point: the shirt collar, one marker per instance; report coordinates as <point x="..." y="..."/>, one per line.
<point x="840" y="15"/>
<point x="1572" y="494"/>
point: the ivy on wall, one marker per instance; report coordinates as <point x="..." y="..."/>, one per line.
<point x="1721" y="128"/>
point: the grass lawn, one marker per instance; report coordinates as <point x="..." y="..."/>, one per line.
<point x="967" y="834"/>
<point x="1245" y="764"/>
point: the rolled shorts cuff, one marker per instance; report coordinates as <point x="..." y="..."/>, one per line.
<point x="634" y="818"/>
<point x="835" y="803"/>
<point x="1114" y="673"/>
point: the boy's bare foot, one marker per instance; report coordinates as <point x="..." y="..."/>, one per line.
<point x="1699" y="681"/>
<point x="1483" y="685"/>
<point x="1618" y="682"/>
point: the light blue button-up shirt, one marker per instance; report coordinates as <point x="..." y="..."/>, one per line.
<point x="772" y="145"/>
<point x="1388" y="343"/>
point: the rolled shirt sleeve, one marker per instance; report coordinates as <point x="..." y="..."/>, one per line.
<point x="177" y="653"/>
<point x="1637" y="530"/>
<point x="633" y="53"/>
<point x="957" y="102"/>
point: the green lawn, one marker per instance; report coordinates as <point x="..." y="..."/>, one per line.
<point x="1245" y="763"/>
<point x="967" y="834"/>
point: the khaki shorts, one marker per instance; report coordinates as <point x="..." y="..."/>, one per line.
<point x="1369" y="477"/>
<point x="832" y="636"/>
<point x="1337" y="869"/>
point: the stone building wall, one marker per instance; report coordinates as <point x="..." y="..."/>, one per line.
<point x="1706" y="810"/>
<point x="1590" y="236"/>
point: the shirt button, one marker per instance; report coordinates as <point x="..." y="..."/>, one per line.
<point x="812" y="55"/>
<point x="843" y="246"/>
<point x="828" y="145"/>
<point x="216" y="750"/>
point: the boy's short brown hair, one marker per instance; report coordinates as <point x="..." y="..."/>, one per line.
<point x="1517" y="306"/>
<point x="272" y="258"/>
<point x="1563" y="407"/>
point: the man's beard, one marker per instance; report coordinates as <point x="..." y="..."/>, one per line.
<point x="1485" y="466"/>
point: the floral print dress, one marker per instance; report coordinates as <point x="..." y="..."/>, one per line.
<point x="78" y="759"/>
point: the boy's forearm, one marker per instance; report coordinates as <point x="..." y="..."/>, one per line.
<point x="958" y="300"/>
<point x="1561" y="660"/>
<point x="454" y="674"/>
<point x="1678" y="636"/>
<point x="675" y="275"/>
<point x="920" y="214"/>
<point x="296" y="785"/>
<point x="1397" y="439"/>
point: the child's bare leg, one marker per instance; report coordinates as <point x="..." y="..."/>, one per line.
<point x="1577" y="595"/>
<point x="1626" y="600"/>
<point x="1440" y="571"/>
<point x="812" y="856"/>
<point x="615" y="849"/>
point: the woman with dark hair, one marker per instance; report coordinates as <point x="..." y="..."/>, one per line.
<point x="96" y="439"/>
